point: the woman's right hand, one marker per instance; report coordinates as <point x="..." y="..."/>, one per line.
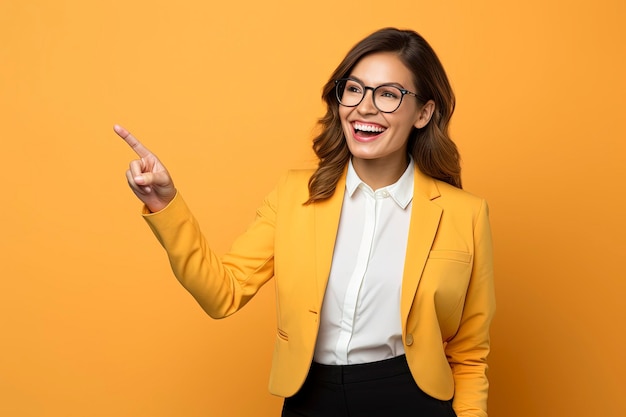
<point x="147" y="176"/>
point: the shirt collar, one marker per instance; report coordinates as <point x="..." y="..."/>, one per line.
<point x="401" y="191"/>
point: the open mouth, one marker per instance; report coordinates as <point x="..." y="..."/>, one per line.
<point x="367" y="130"/>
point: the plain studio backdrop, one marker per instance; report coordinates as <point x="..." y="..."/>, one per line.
<point x="92" y="322"/>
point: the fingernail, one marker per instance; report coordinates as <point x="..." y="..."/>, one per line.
<point x="139" y="179"/>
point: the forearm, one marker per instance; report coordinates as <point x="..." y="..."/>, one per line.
<point x="467" y="352"/>
<point x="470" y="390"/>
<point x="220" y="286"/>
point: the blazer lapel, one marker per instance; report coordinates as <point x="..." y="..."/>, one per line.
<point x="425" y="216"/>
<point x="327" y="215"/>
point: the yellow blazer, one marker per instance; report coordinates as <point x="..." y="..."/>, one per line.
<point x="447" y="299"/>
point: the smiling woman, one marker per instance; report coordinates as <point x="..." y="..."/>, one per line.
<point x="377" y="129"/>
<point x="399" y="55"/>
<point x="382" y="264"/>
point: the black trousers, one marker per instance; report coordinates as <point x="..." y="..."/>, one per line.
<point x="378" y="389"/>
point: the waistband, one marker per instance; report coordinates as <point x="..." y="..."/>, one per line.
<point x="345" y="374"/>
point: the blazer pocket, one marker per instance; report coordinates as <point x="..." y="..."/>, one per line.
<point x="444" y="283"/>
<point x="451" y="255"/>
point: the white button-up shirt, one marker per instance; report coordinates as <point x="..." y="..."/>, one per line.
<point x="360" y="318"/>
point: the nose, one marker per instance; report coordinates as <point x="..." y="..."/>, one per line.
<point x="367" y="106"/>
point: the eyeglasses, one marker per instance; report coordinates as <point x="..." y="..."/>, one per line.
<point x="387" y="98"/>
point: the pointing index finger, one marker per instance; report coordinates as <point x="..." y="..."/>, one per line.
<point x="137" y="146"/>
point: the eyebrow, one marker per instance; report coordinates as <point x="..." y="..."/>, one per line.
<point x="389" y="83"/>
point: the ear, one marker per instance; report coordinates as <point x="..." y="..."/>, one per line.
<point x="424" y="114"/>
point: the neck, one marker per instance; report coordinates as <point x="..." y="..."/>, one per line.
<point x="377" y="173"/>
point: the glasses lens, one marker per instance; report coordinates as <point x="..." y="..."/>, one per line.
<point x="349" y="92"/>
<point x="387" y="98"/>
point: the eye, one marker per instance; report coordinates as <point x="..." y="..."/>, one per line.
<point x="353" y="87"/>
<point x="388" y="93"/>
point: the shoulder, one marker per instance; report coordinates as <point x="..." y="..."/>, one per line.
<point x="450" y="191"/>
<point x="295" y="179"/>
<point x="293" y="186"/>
<point x="444" y="194"/>
<point x="298" y="176"/>
<point x="452" y="198"/>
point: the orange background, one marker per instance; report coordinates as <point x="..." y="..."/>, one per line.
<point x="92" y="323"/>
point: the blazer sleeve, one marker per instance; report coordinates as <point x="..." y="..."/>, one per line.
<point x="221" y="285"/>
<point x="467" y="351"/>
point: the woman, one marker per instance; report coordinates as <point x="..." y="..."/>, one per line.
<point x="383" y="265"/>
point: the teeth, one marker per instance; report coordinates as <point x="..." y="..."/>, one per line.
<point x="369" y="128"/>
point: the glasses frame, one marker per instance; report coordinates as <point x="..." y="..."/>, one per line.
<point x="365" y="88"/>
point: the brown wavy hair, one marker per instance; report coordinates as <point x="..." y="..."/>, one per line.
<point x="432" y="149"/>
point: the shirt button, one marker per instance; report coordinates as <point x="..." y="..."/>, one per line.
<point x="409" y="339"/>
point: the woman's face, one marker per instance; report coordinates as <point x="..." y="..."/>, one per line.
<point x="372" y="135"/>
